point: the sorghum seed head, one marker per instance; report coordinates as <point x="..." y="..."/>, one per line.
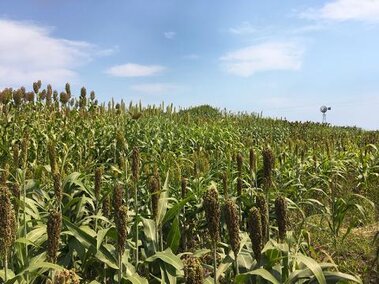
<point x="42" y="95"/>
<point x="36" y="87"/>
<point x="281" y="216"/>
<point x="68" y="88"/>
<point x="64" y="98"/>
<point x="29" y="96"/>
<point x="255" y="231"/>
<point x="118" y="195"/>
<point x="212" y="212"/>
<point x="49" y="90"/>
<point x="54" y="225"/>
<point x="193" y="271"/>
<point x="98" y="176"/>
<point x="106" y="205"/>
<point x="18" y="96"/>
<point x="55" y="95"/>
<point x="268" y="165"/>
<point x="239" y="164"/>
<point x="121" y="225"/>
<point x="83" y="92"/>
<point x="263" y="210"/>
<point x="7" y="222"/>
<point x="135" y="163"/>
<point x="232" y="222"/>
<point x="92" y="95"/>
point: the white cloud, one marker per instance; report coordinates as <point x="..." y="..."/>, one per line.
<point x="169" y="35"/>
<point x="134" y="70"/>
<point x="154" y="88"/>
<point x="263" y="57"/>
<point x="344" y="10"/>
<point x="243" y="29"/>
<point x="28" y="52"/>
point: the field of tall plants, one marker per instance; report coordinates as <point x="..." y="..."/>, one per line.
<point x="124" y="193"/>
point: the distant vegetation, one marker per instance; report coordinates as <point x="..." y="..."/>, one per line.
<point x="116" y="193"/>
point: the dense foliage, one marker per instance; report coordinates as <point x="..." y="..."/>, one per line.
<point x="95" y="193"/>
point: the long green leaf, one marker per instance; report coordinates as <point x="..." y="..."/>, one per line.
<point x="243" y="278"/>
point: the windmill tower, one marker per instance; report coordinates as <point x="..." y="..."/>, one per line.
<point x="323" y="110"/>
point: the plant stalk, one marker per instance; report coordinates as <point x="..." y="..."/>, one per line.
<point x="215" y="262"/>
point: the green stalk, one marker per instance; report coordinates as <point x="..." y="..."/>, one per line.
<point x="136" y="221"/>
<point x="236" y="264"/>
<point x="6" y="266"/>
<point x="119" y="267"/>
<point x="161" y="238"/>
<point x="215" y="262"/>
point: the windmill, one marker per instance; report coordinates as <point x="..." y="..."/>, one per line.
<point x="323" y="110"/>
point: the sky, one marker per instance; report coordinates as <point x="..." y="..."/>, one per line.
<point x="282" y="58"/>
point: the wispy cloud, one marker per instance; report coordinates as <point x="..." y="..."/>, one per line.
<point x="263" y="57"/>
<point x="28" y="52"/>
<point x="344" y="10"/>
<point x="169" y="35"/>
<point x="243" y="29"/>
<point x="134" y="70"/>
<point x="191" y="56"/>
<point x="154" y="88"/>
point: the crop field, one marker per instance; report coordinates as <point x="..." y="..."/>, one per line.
<point x="115" y="192"/>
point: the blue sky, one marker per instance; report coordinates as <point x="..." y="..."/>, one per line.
<point x="284" y="58"/>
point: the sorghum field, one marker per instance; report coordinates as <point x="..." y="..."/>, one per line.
<point x="125" y="193"/>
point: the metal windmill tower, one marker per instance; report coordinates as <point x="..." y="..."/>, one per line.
<point x="323" y="110"/>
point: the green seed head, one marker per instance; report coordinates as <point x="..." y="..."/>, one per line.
<point x="232" y="222"/>
<point x="98" y="176"/>
<point x="281" y="216"/>
<point x="54" y="224"/>
<point x="193" y="271"/>
<point x="255" y="231"/>
<point x="184" y="187"/>
<point x="212" y="212"/>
